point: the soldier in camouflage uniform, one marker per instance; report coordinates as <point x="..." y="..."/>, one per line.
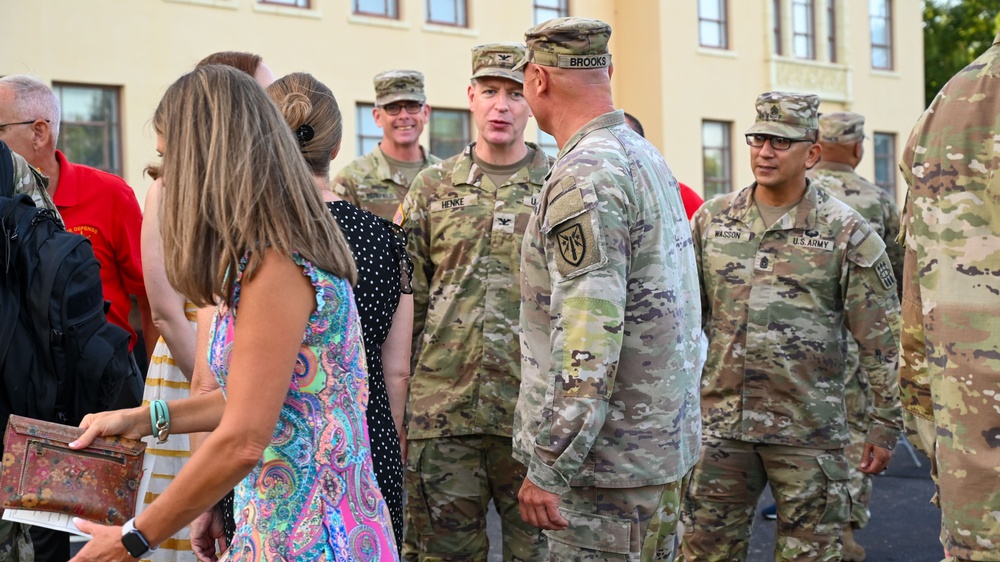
<point x="950" y="368"/>
<point x="377" y="181"/>
<point x="786" y="270"/>
<point x="607" y="421"/>
<point x="841" y="137"/>
<point x="465" y="218"/>
<point x="15" y="542"/>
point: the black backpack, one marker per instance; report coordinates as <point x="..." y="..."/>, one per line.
<point x="60" y="358"/>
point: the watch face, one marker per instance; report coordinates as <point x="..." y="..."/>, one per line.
<point x="135" y="544"/>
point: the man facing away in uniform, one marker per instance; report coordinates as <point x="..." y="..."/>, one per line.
<point x="465" y="218"/>
<point x="692" y="201"/>
<point x="95" y="204"/>
<point x="607" y="420"/>
<point x="378" y="181"/>
<point x="841" y="136"/>
<point x="950" y="367"/>
<point x="788" y="273"/>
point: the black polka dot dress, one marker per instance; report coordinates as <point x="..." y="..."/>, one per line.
<point x="384" y="268"/>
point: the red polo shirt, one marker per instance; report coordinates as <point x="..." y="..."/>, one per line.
<point x="102" y="207"/>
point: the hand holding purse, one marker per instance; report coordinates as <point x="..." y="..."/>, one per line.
<point x="41" y="472"/>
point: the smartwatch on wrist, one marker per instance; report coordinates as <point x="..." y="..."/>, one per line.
<point x="134" y="541"/>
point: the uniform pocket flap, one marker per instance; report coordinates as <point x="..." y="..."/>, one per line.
<point x="594" y="532"/>
<point x="835" y="467"/>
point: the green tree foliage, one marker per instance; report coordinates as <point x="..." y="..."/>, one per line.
<point x="955" y="33"/>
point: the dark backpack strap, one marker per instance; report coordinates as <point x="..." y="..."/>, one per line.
<point x="6" y="171"/>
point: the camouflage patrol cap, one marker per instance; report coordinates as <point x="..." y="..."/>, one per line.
<point x="841" y="128"/>
<point x="568" y="43"/>
<point x="396" y="85"/>
<point x="785" y="114"/>
<point x="498" y="59"/>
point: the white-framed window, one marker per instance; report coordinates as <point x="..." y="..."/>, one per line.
<point x="717" y="159"/>
<point x="713" y="29"/>
<point x="90" y="129"/>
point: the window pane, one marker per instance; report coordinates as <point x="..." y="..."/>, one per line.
<point x="449" y="132"/>
<point x="878" y="8"/>
<point x="880" y="57"/>
<point x="89" y="130"/>
<point x="443" y="11"/>
<point x="716" y="158"/>
<point x="709" y="9"/>
<point x="879" y="35"/>
<point x="369" y="135"/>
<point x="548" y="9"/>
<point x="885" y="161"/>
<point x="779" y="47"/>
<point x="800" y="18"/>
<point x="710" y="36"/>
<point x="386" y="8"/>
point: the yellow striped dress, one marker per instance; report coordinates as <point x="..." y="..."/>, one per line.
<point x="164" y="381"/>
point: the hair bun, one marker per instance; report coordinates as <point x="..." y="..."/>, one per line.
<point x="296" y="107"/>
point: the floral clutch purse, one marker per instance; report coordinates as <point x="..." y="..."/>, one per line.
<point x="41" y="472"/>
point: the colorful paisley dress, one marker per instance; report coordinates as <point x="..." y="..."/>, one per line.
<point x="313" y="494"/>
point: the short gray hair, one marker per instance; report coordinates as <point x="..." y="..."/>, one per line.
<point x="33" y="99"/>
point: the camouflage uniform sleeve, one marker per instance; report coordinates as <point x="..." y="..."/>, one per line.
<point x="346" y="186"/>
<point x="586" y="253"/>
<point x="893" y="247"/>
<point x="914" y="385"/>
<point x="699" y="222"/>
<point x="872" y="314"/>
<point x="416" y="223"/>
<point x="31" y="182"/>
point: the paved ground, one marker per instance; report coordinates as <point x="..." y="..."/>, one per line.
<point x="903" y="527"/>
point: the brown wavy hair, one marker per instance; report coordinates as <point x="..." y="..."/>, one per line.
<point x="247" y="62"/>
<point x="234" y="181"/>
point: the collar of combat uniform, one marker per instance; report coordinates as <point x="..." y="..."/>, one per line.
<point x="534" y="172"/>
<point x="744" y="210"/>
<point x="832" y="166"/>
<point x="383" y="171"/>
<point x="608" y="120"/>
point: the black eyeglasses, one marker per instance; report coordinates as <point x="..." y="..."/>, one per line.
<point x="3" y="125"/>
<point x="412" y="107"/>
<point x="777" y="143"/>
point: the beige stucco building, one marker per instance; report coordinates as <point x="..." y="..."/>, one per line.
<point x="689" y="69"/>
